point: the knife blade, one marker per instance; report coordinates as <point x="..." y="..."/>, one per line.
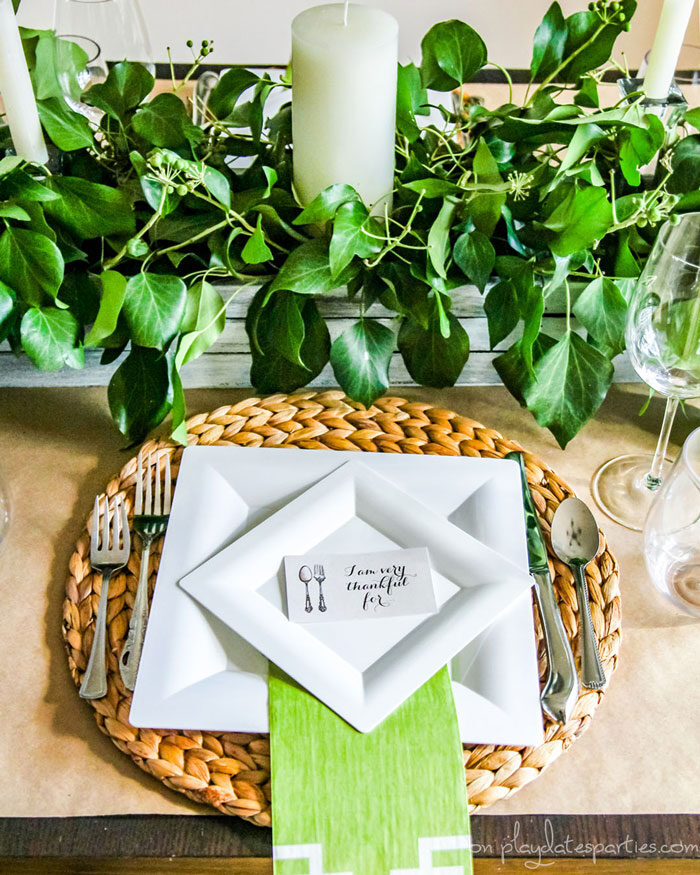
<point x="560" y="692"/>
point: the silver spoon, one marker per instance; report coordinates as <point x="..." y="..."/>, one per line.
<point x="575" y="540"/>
<point x="305" y="576"/>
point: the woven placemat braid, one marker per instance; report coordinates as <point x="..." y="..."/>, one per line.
<point x="231" y="770"/>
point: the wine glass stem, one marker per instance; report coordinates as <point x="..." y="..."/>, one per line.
<point x="653" y="478"/>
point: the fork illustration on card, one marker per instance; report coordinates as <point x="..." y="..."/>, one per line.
<point x="320" y="575"/>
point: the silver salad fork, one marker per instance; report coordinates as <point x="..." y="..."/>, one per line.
<point x="151" y="513"/>
<point x="108" y="560"/>
<point x="320" y="575"/>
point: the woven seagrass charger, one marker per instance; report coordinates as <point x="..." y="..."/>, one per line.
<point x="231" y="771"/>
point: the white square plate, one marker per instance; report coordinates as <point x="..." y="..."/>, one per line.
<point x="363" y="672"/>
<point x="196" y="673"/>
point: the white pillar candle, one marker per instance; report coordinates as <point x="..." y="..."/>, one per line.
<point x="16" y="90"/>
<point x="663" y="59"/>
<point x="344" y="101"/>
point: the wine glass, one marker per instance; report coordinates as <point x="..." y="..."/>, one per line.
<point x="663" y="340"/>
<point x="672" y="531"/>
<point x="115" y="26"/>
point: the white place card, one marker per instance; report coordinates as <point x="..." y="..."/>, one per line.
<point x="359" y="586"/>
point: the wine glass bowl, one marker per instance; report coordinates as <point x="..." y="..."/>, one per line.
<point x="663" y="341"/>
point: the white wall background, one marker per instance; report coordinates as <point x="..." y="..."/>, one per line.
<point x="257" y="31"/>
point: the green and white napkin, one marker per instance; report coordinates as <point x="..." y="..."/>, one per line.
<point x="388" y="802"/>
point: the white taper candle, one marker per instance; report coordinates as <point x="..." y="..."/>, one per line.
<point x="16" y="90"/>
<point x="663" y="59"/>
<point x="344" y="100"/>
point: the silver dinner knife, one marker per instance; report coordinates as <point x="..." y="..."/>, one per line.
<point x="561" y="689"/>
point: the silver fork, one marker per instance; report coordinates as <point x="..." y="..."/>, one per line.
<point x="320" y="575"/>
<point x="108" y="560"/>
<point x="151" y="513"/>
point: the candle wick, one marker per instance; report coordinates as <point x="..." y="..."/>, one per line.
<point x="345" y="13"/>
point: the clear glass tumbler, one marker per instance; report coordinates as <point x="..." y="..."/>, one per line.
<point x="672" y="531"/>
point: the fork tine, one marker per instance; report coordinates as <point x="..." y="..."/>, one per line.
<point x="116" y="522"/>
<point x="95" y="535"/>
<point x="105" y="526"/>
<point x="126" y="536"/>
<point x="157" y="509"/>
<point x="168" y="485"/>
<point x="138" y="504"/>
<point x="148" y="505"/>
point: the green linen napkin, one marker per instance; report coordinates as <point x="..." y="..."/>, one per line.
<point x="388" y="802"/>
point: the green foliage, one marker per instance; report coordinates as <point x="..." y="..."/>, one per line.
<point x="360" y="358"/>
<point x="121" y="248"/>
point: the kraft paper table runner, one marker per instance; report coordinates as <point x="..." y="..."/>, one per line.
<point x="388" y="802"/>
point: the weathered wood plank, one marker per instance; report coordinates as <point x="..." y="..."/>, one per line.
<point x="228" y="362"/>
<point x="218" y="370"/>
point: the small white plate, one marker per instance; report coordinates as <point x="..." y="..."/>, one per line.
<point x="196" y="673"/>
<point x="363" y="672"/>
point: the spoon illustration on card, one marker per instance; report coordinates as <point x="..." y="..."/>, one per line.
<point x="305" y="576"/>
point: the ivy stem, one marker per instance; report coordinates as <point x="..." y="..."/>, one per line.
<point x="553" y="75"/>
<point x="397" y="240"/>
<point x="113" y="262"/>
<point x="568" y="306"/>
<point x="202" y="234"/>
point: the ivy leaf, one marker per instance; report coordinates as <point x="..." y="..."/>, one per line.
<point x="602" y="310"/>
<point x="502" y="311"/>
<point x="49" y="337"/>
<point x="179" y="407"/>
<point x="685" y="161"/>
<point x="432" y="187"/>
<point x="217" y="185"/>
<point x="229" y="89"/>
<point x="202" y="323"/>
<point x="164" y="122"/>
<point x="325" y="205"/>
<point x="439" y="236"/>
<point x="485" y="209"/>
<point x="639" y="146"/>
<point x="360" y="358"/>
<point x="588" y="45"/>
<point x="20" y="186"/>
<point x="349" y="238"/>
<point x="12" y="211"/>
<point x="58" y="64"/>
<point x="549" y="43"/>
<point x="571" y="381"/>
<point x="153" y="189"/>
<point x="113" y="292"/>
<point x="7" y="310"/>
<point x="153" y="306"/>
<point x="515" y="368"/>
<point x="256" y="250"/>
<point x="581" y="218"/>
<point x="271" y="341"/>
<point x="475" y="256"/>
<point x="452" y="52"/>
<point x="307" y="271"/>
<point x="88" y="209"/>
<point x="140" y="393"/>
<point x="431" y="358"/>
<point x="126" y="87"/>
<point x="411" y="100"/>
<point x="68" y="130"/>
<point x="31" y="264"/>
